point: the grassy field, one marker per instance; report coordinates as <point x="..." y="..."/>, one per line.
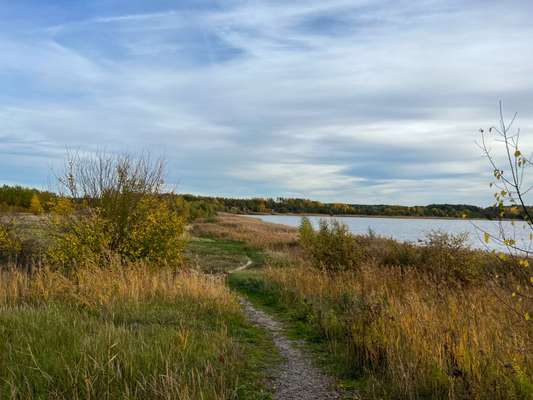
<point x="397" y="325"/>
<point x="213" y="255"/>
<point x="395" y="329"/>
<point x="130" y="333"/>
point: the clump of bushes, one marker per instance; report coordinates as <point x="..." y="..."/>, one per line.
<point x="117" y="211"/>
<point x="442" y="257"/>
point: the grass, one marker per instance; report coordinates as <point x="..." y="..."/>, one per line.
<point x="403" y="338"/>
<point x="127" y="333"/>
<point x="214" y="255"/>
<point x="252" y="231"/>
<point x="258" y="290"/>
<point x="401" y="330"/>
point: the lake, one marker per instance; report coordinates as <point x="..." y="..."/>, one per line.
<point x="416" y="229"/>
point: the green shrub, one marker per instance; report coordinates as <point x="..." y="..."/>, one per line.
<point x="306" y="234"/>
<point x="154" y="234"/>
<point x="448" y="257"/>
<point x="331" y="247"/>
<point x="10" y="242"/>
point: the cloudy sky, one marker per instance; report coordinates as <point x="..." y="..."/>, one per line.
<point x="375" y="101"/>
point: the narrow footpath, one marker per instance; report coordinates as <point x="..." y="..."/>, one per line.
<point x="297" y="377"/>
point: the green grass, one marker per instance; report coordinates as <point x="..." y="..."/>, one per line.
<point x="190" y="346"/>
<point x="298" y="323"/>
<point x="221" y="255"/>
<point x="56" y="351"/>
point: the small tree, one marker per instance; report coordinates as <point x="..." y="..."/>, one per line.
<point x="306" y="234"/>
<point x="35" y="205"/>
<point x="512" y="187"/>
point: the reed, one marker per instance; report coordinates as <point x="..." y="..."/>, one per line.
<point x="408" y="337"/>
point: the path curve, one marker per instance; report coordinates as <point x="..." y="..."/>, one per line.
<point x="242" y="267"/>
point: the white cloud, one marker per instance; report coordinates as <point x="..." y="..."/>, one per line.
<point x="259" y="96"/>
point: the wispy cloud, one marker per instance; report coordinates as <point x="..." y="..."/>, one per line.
<point x="359" y="101"/>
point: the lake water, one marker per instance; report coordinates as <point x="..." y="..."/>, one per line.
<point x="416" y="229"/>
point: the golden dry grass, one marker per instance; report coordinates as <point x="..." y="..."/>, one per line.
<point x="409" y="334"/>
<point x="95" y="286"/>
<point x="425" y="340"/>
<point x="124" y="332"/>
<point x="248" y="229"/>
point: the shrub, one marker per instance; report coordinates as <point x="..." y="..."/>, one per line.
<point x="306" y="234"/>
<point x="155" y="233"/>
<point x="448" y="257"/>
<point x="80" y="239"/>
<point x="35" y="205"/>
<point x="120" y="214"/>
<point x="331" y="247"/>
<point x="10" y="243"/>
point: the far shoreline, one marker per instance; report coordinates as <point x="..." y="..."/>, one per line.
<point x="251" y="214"/>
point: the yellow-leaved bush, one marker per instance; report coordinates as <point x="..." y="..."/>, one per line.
<point x="10" y="243"/>
<point x="153" y="233"/>
<point x="156" y="232"/>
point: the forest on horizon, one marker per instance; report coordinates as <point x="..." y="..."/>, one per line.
<point x="19" y="199"/>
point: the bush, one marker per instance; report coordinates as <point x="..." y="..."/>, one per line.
<point x="331" y="247"/>
<point x="448" y="257"/>
<point x="35" y="205"/>
<point x="80" y="239"/>
<point x="156" y="233"/>
<point x="120" y="214"/>
<point x="10" y="243"/>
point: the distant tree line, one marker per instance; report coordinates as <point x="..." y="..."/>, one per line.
<point x="22" y="199"/>
<point x="283" y="205"/>
<point x="17" y="198"/>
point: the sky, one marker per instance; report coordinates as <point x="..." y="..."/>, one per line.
<point x="355" y="101"/>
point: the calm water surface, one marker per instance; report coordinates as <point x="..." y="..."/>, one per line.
<point x="416" y="229"/>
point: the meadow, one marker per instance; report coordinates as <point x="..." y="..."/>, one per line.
<point x="102" y="296"/>
<point x="126" y="333"/>
<point x="395" y="320"/>
<point x="151" y="311"/>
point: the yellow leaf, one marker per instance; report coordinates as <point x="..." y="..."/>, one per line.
<point x="486" y="237"/>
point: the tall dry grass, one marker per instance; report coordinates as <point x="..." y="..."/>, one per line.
<point x="419" y="339"/>
<point x="252" y="231"/>
<point x="414" y="321"/>
<point x="116" y="333"/>
<point x="98" y="287"/>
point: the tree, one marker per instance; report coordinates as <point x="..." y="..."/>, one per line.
<point x="306" y="233"/>
<point x="512" y="186"/>
<point x="35" y="205"/>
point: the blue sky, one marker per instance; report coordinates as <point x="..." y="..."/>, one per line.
<point x="354" y="101"/>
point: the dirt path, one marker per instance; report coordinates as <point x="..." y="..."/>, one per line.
<point x="242" y="267"/>
<point x="297" y="378"/>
